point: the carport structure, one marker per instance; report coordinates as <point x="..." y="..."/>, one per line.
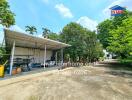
<point x="25" y="45"/>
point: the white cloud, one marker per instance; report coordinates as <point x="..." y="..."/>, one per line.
<point x="87" y="23"/>
<point x="64" y="11"/>
<point x="17" y="28"/>
<point x="124" y="3"/>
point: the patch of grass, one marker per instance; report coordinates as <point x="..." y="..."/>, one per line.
<point x="126" y="61"/>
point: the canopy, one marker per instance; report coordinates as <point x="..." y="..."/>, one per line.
<point x="30" y="41"/>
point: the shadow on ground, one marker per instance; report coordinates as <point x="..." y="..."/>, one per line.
<point x="116" y="68"/>
<point x="121" y="74"/>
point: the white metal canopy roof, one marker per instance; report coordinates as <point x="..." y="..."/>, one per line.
<point x="29" y="41"/>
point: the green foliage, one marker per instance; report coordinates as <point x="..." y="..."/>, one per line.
<point x="54" y="36"/>
<point x="83" y="42"/>
<point x="2" y="51"/>
<point x="6" y="15"/>
<point x="2" y="55"/>
<point x="116" y="34"/>
<point x="46" y="32"/>
<point x="127" y="61"/>
<point x="31" y="29"/>
<point x="121" y="40"/>
<point x="103" y="32"/>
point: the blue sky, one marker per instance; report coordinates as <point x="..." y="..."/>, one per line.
<point x="55" y="14"/>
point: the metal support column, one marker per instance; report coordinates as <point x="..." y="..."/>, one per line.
<point x="44" y="56"/>
<point x="62" y="56"/>
<point x="12" y="57"/>
<point x="56" y="58"/>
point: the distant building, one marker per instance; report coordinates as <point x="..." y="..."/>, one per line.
<point x="107" y="55"/>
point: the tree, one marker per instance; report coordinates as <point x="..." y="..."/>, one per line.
<point x="115" y="34"/>
<point x="83" y="42"/>
<point x="6" y="15"/>
<point x="121" y="39"/>
<point x="71" y="34"/>
<point x="106" y="26"/>
<point x="31" y="29"/>
<point x="94" y="49"/>
<point x="51" y="35"/>
<point x="45" y="32"/>
<point x="117" y="20"/>
<point x="3" y="58"/>
<point x="103" y="32"/>
<point x="6" y="19"/>
<point x="54" y="36"/>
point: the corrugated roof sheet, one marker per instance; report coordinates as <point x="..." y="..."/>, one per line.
<point x="25" y="40"/>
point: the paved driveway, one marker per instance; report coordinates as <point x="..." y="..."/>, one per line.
<point x="82" y="83"/>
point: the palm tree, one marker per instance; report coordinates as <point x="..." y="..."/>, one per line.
<point x="31" y="29"/>
<point x="45" y="32"/>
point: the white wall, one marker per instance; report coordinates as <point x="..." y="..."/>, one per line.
<point x="37" y="54"/>
<point x="106" y="53"/>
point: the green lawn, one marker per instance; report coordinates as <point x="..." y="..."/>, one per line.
<point x="129" y="60"/>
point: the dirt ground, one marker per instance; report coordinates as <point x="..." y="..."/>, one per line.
<point x="82" y="83"/>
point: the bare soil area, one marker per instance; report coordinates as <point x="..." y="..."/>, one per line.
<point x="82" y="83"/>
